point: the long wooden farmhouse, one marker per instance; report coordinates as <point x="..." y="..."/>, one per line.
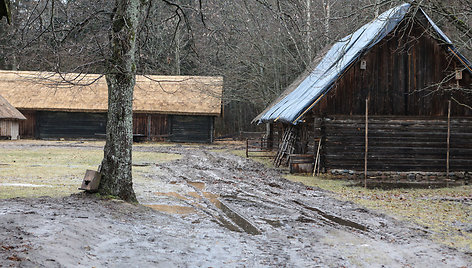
<point x="410" y="73"/>
<point x="175" y="108"/>
<point x="9" y="120"/>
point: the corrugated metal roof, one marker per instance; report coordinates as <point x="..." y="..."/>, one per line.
<point x="336" y="61"/>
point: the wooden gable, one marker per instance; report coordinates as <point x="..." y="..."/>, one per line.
<point x="410" y="72"/>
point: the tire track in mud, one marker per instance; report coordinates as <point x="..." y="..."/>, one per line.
<point x="241" y="181"/>
<point x="296" y="221"/>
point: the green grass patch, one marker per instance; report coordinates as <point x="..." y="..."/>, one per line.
<point x="450" y="222"/>
<point x="45" y="171"/>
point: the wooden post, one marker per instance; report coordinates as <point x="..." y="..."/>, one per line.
<point x="247" y="148"/>
<point x="269" y="135"/>
<point x="448" y="138"/>
<point x="149" y="127"/>
<point x="366" y="139"/>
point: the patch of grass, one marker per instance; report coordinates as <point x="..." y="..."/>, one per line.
<point x="450" y="222"/>
<point x="30" y="192"/>
<point x="52" y="171"/>
<point x="152" y="144"/>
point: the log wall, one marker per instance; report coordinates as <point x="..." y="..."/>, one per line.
<point x="397" y="143"/>
<point x="52" y="125"/>
<point x="191" y="128"/>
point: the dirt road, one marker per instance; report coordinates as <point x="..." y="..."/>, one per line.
<point x="211" y="209"/>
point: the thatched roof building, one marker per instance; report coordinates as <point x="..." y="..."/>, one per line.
<point x="48" y="97"/>
<point x="195" y="95"/>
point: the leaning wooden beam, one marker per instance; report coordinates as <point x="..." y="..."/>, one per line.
<point x="366" y="140"/>
<point x="448" y="138"/>
<point x="317" y="159"/>
<point x="247" y="148"/>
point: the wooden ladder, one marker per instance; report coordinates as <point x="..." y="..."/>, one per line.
<point x="286" y="147"/>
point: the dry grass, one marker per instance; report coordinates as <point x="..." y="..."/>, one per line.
<point x="37" y="171"/>
<point x="438" y="210"/>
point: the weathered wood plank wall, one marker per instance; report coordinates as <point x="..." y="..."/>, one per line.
<point x="406" y="74"/>
<point x="153" y="126"/>
<point x="9" y="128"/>
<point x="28" y="126"/>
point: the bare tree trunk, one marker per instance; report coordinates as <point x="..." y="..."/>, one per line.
<point x="308" y="30"/>
<point x="121" y="78"/>
<point x="177" y="51"/>
<point x="376" y="9"/>
<point x="327" y="7"/>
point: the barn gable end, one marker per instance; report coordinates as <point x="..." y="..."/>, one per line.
<point x="410" y="73"/>
<point x="9" y="120"/>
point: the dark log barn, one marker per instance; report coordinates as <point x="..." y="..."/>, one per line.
<point x="173" y="108"/>
<point x="414" y="82"/>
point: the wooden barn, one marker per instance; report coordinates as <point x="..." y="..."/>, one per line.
<point x="174" y="108"/>
<point x="10" y="119"/>
<point x="391" y="96"/>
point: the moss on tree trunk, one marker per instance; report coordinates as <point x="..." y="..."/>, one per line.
<point x="121" y="78"/>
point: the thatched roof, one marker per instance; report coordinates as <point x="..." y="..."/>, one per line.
<point x="196" y="95"/>
<point x="7" y="111"/>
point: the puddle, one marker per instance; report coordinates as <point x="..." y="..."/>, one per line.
<point x="197" y="184"/>
<point x="195" y="195"/>
<point x="333" y="218"/>
<point x="208" y="195"/>
<point x="227" y="224"/>
<point x="171" y="194"/>
<point x="173" y="209"/>
<point x="24" y="185"/>
<point x="239" y="220"/>
<point x="233" y="220"/>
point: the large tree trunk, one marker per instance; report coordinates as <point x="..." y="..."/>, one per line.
<point x="121" y="78"/>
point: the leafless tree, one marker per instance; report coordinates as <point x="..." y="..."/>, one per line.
<point x="259" y="46"/>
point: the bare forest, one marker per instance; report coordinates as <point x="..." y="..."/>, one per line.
<point x="258" y="46"/>
<point x="210" y="205"/>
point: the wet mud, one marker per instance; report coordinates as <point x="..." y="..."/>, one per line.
<point x="212" y="208"/>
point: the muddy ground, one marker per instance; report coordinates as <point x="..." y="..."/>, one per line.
<point x="210" y="208"/>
